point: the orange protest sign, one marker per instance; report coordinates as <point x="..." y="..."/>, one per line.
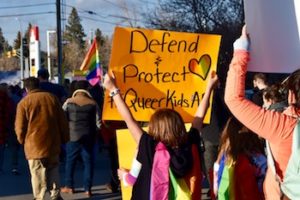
<point x="158" y="69"/>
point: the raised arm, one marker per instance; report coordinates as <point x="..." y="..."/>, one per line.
<point x="267" y="124"/>
<point x="133" y="126"/>
<point x="204" y="104"/>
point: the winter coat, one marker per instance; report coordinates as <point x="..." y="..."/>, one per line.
<point x="83" y="115"/>
<point x="41" y="125"/>
<point x="5" y="115"/>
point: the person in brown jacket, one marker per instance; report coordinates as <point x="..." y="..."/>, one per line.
<point x="41" y="126"/>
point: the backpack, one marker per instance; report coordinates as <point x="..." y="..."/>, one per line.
<point x="290" y="186"/>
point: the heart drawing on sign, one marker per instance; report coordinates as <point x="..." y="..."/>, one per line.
<point x="200" y="67"/>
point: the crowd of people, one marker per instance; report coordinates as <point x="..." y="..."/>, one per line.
<point x="56" y="125"/>
<point x="248" y="144"/>
<point x="256" y="157"/>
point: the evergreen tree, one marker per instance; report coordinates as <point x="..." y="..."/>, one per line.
<point x="17" y="41"/>
<point x="6" y="46"/>
<point x="99" y="37"/>
<point x="74" y="30"/>
<point x="27" y="33"/>
<point x="104" y="46"/>
<point x="2" y="41"/>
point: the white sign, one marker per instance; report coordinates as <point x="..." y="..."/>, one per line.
<point x="273" y="26"/>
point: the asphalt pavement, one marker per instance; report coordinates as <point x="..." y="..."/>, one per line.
<point x="18" y="187"/>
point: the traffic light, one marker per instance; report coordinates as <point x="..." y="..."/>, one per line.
<point x="25" y="48"/>
<point x="24" y="42"/>
<point x="8" y="54"/>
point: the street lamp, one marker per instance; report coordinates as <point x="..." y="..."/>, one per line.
<point x="21" y="52"/>
<point x="49" y="53"/>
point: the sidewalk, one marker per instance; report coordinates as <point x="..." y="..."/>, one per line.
<point x="18" y="187"/>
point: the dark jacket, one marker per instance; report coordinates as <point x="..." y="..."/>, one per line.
<point x="5" y="113"/>
<point x="279" y="107"/>
<point x="83" y="115"/>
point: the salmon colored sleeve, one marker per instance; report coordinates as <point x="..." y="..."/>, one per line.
<point x="270" y="125"/>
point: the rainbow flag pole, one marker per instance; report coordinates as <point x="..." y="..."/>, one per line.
<point x="91" y="65"/>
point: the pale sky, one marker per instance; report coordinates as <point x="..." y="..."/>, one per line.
<point x="103" y="14"/>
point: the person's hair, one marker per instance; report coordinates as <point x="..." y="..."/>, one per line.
<point x="274" y="92"/>
<point x="43" y="74"/>
<point x="237" y="139"/>
<point x="293" y="84"/>
<point x="260" y="76"/>
<point x="167" y="126"/>
<point x="31" y="83"/>
<point x="72" y="87"/>
<point x="82" y="84"/>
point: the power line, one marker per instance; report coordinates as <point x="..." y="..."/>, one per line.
<point x="27" y="5"/>
<point x="99" y="20"/>
<point x="27" y="14"/>
<point x="120" y="6"/>
<point x="114" y="4"/>
<point x="95" y="13"/>
<point x="84" y="11"/>
<point x="149" y="2"/>
<point x="126" y="18"/>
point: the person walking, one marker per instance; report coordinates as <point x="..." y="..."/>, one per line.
<point x="46" y="85"/>
<point x="41" y="126"/>
<point x="5" y="105"/>
<point x="83" y="114"/>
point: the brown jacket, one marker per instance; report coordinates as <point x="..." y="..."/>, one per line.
<point x="41" y="125"/>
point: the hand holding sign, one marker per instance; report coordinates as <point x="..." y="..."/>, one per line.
<point x="243" y="42"/>
<point x="213" y="82"/>
<point x="109" y="81"/>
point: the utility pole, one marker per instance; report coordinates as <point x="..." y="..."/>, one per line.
<point x="21" y="53"/>
<point x="21" y="60"/>
<point x="59" y="43"/>
<point x="49" y="53"/>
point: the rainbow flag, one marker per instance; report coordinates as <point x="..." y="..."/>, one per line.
<point x="165" y="185"/>
<point x="91" y="64"/>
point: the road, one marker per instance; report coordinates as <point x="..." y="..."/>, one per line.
<point x="18" y="187"/>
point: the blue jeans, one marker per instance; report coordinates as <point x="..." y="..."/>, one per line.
<point x="2" y="148"/>
<point x="85" y="150"/>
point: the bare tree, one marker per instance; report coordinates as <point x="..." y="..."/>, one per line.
<point x="129" y="14"/>
<point x="73" y="56"/>
<point x="9" y="64"/>
<point x="201" y="16"/>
